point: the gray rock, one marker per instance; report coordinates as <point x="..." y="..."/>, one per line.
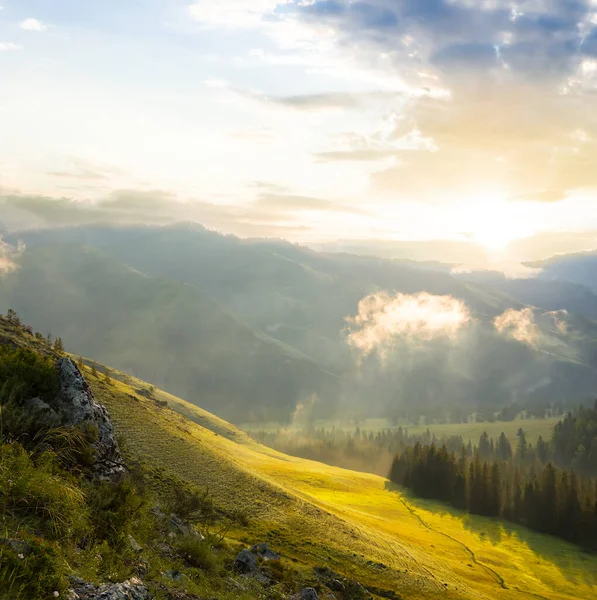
<point x="306" y="594"/>
<point x="264" y="551"/>
<point x="78" y="407"/>
<point x="18" y="546"/>
<point x="246" y="562"/>
<point x="173" y="575"/>
<point x="129" y="590"/>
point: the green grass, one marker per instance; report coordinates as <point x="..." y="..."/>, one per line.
<point x="320" y="515"/>
<point x="354" y="523"/>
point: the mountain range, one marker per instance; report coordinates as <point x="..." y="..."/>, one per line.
<point x="259" y="329"/>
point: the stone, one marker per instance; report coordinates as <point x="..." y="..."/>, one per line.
<point x="78" y="408"/>
<point x="264" y="552"/>
<point x="306" y="594"/>
<point x="133" y="589"/>
<point x="246" y="562"/>
<point x="174" y="575"/>
<point x="21" y="548"/>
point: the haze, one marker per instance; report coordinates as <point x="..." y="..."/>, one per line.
<point x="459" y="121"/>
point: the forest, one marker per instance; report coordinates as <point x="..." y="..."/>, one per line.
<point x="550" y="488"/>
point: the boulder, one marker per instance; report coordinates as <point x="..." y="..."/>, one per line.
<point x="78" y="407"/>
<point x="245" y="562"/>
<point x="264" y="552"/>
<point x="306" y="594"/>
<point x="349" y="588"/>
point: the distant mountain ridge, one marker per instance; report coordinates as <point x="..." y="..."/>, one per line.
<point x="253" y="329"/>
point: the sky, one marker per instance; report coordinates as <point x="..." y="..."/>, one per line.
<point x="466" y="123"/>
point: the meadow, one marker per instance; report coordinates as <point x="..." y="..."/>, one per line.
<point x="533" y="428"/>
<point x="355" y="523"/>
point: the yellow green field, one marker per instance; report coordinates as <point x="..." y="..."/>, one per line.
<point x="352" y="522"/>
<point x="533" y="428"/>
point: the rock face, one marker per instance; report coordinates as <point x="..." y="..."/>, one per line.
<point x="78" y="407"/>
<point x="129" y="590"/>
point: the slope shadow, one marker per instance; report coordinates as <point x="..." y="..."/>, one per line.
<point x="574" y="564"/>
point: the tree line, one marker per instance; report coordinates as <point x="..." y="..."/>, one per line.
<point x="550" y="499"/>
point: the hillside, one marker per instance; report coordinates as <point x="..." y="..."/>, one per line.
<point x="257" y="329"/>
<point x="165" y="331"/>
<point x="351" y="522"/>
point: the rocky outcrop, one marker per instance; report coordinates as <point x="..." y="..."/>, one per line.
<point x="129" y="590"/>
<point x="78" y="407"/>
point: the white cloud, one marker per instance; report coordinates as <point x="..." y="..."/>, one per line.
<point x="383" y="319"/>
<point x="8" y="255"/>
<point x="32" y="25"/>
<point x="520" y="325"/>
<point x="8" y="47"/>
<point x="231" y="13"/>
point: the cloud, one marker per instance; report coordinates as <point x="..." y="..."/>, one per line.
<point x="519" y="325"/>
<point x="280" y="202"/>
<point x="319" y="101"/>
<point x="383" y="319"/>
<point x="543" y="196"/>
<point x="8" y="256"/>
<point x="33" y="25"/>
<point x="9" y="47"/>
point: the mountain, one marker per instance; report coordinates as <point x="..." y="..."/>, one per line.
<point x="163" y="330"/>
<point x="255" y="329"/>
<point x="322" y="520"/>
<point x="577" y="268"/>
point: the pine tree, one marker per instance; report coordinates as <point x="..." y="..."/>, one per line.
<point x="13" y="318"/>
<point x="522" y="448"/>
<point x="59" y="345"/>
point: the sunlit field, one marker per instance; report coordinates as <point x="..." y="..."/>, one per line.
<point x="355" y="523"/>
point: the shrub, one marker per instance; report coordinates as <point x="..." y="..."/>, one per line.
<point x="37" y="573"/>
<point x="39" y="493"/>
<point x="113" y="509"/>
<point x="198" y="553"/>
<point x="28" y="374"/>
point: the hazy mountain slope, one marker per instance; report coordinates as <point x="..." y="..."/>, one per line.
<point x="578" y="268"/>
<point x="302" y="298"/>
<point x="167" y="332"/>
<point x="544" y="293"/>
<point x="290" y="292"/>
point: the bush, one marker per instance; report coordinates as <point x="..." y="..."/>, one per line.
<point x="28" y="374"/>
<point x="113" y="509"/>
<point x="36" y="573"/>
<point x="39" y="493"/>
<point x="197" y="553"/>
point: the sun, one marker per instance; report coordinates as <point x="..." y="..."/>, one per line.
<point x="495" y="223"/>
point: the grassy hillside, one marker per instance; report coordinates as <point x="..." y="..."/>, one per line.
<point x="164" y="331"/>
<point x="351" y="522"/>
<point x="354" y="523"/>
